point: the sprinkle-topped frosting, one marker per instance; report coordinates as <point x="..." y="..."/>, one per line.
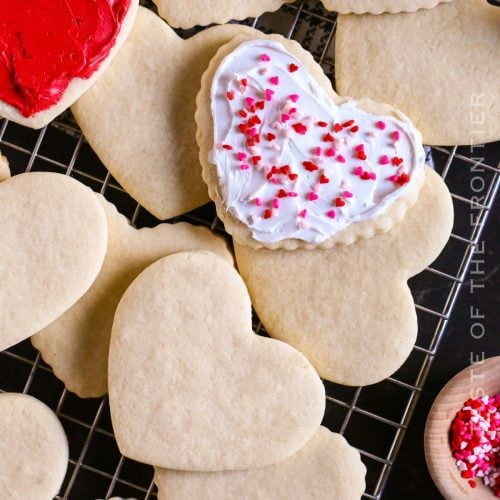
<point x="293" y="164"/>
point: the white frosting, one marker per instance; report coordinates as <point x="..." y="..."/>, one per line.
<point x="357" y="189"/>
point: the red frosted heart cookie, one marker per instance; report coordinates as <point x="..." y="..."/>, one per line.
<point x="51" y="51"/>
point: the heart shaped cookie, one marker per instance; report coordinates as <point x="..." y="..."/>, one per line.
<point x="379" y="6"/>
<point x="33" y="449"/>
<point x="191" y="387"/>
<point x="53" y="52"/>
<point x="139" y="117"/>
<point x="410" y="60"/>
<point x="349" y="309"/>
<point x="54" y="236"/>
<point x="189" y="13"/>
<point x="76" y="345"/>
<point x="327" y="467"/>
<point x="287" y="163"/>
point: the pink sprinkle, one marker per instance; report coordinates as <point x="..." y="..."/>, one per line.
<point x="303" y="213"/>
<point x="274" y="80"/>
<point x="340" y="159"/>
<point x="244" y="166"/>
<point x="241" y="156"/>
<point x="384" y="160"/>
<point x="258" y="202"/>
<point x="312" y="196"/>
<point x="393" y="178"/>
<point x="285" y="118"/>
<point x="330" y="152"/>
<point x="265" y="58"/>
<point x="292" y="194"/>
<point x="360" y="148"/>
<point x="331" y="214"/>
<point x="317" y="151"/>
<point x="347" y="194"/>
<point x="249" y="100"/>
<point x="294" y="97"/>
<point x="395" y="135"/>
<point x="269" y="94"/>
<point x="358" y="171"/>
<point x="252" y="131"/>
<point x="381" y="125"/>
<point x="274" y="180"/>
<point x="292" y="111"/>
<point x="276" y="203"/>
<point x="372" y="175"/>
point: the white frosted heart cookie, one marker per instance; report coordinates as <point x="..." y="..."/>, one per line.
<point x="291" y="165"/>
<point x="139" y="117"/>
<point x="4" y="168"/>
<point x="191" y="387"/>
<point x="33" y="449"/>
<point x="40" y="75"/>
<point x="409" y="60"/>
<point x="54" y="237"/>
<point x="76" y="345"/>
<point x="325" y="468"/>
<point x="349" y="309"/>
<point x="379" y="6"/>
<point x="189" y="13"/>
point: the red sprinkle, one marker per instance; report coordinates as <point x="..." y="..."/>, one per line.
<point x="293" y="67"/>
<point x="328" y="138"/>
<point x="244" y="82"/>
<point x="270" y="136"/>
<point x="256" y="159"/>
<point x="282" y="193"/>
<point x="260" y="104"/>
<point x="322" y="124"/>
<point x="293" y="177"/>
<point x="268" y="214"/>
<point x="339" y="202"/>
<point x="230" y="96"/>
<point x="299" y="128"/>
<point x="354" y="129"/>
<point x="348" y="123"/>
<point x="242" y="113"/>
<point x="361" y="155"/>
<point x="310" y="166"/>
<point x="337" y="127"/>
<point x="397" y="161"/>
<point x="227" y="146"/>
<point x="324" y="180"/>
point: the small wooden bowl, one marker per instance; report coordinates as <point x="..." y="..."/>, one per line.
<point x="475" y="381"/>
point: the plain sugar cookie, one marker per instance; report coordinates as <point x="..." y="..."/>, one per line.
<point x="289" y="163"/>
<point x="4" y="168"/>
<point x="139" y="117"/>
<point x="349" y="309"/>
<point x="188" y="13"/>
<point x="191" y="387"/>
<point x="438" y="66"/>
<point x="76" y="345"/>
<point x="50" y="73"/>
<point x="54" y="237"/>
<point x="378" y="6"/>
<point x="33" y="449"/>
<point x="326" y="468"/>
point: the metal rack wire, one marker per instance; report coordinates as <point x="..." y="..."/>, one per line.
<point x="96" y="468"/>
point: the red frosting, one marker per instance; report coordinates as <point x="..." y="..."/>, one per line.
<point x="44" y="44"/>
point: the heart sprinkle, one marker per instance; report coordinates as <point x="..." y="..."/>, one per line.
<point x="279" y="129"/>
<point x="475" y="441"/>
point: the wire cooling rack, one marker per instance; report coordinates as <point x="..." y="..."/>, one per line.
<point x="374" y="419"/>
